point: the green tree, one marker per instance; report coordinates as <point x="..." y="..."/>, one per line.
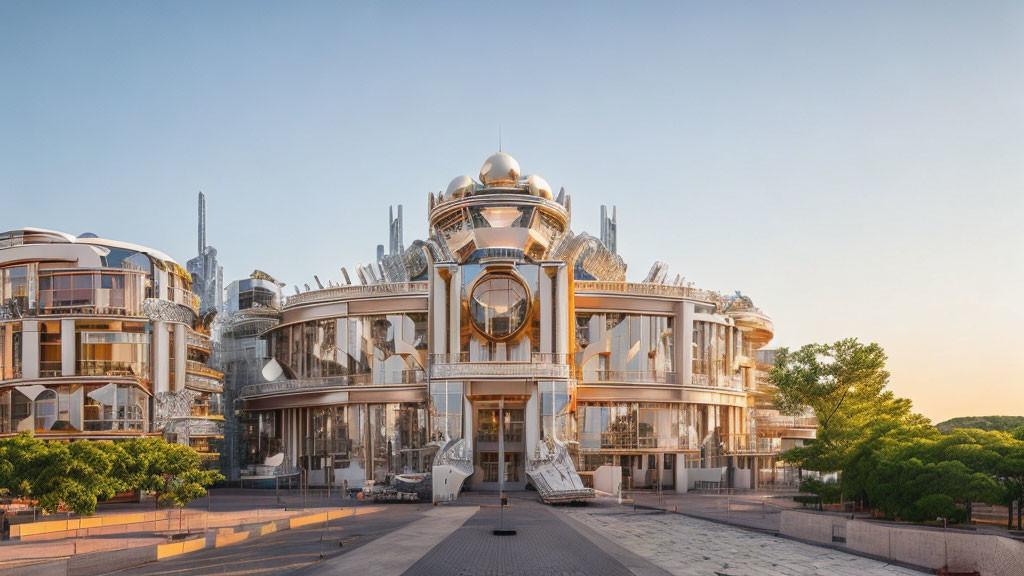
<point x="844" y="383"/>
<point x="76" y="475"/>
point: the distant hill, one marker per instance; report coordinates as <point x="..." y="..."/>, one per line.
<point x="1001" y="423"/>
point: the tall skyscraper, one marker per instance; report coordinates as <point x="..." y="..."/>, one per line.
<point x="608" y="229"/>
<point x="207" y="275"/>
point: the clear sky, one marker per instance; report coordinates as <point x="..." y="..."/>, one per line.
<point x="856" y="168"/>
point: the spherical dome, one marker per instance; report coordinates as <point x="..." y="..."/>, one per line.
<point x="500" y="170"/>
<point x="539" y="187"/>
<point x="460" y="186"/>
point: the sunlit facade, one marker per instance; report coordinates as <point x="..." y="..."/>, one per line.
<point x="102" y="339"/>
<point x="504" y="347"/>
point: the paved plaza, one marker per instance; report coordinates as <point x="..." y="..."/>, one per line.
<point x="689" y="546"/>
<point x="603" y="538"/>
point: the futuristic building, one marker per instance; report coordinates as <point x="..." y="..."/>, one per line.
<point x="207" y="274"/>
<point x="505" y="347"/>
<point x="102" y="339"/>
<point x="252" y="307"/>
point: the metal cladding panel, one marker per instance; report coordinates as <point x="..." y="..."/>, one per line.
<point x="623" y="303"/>
<point x="384" y="396"/>
<point x="381" y="305"/>
<point x="297" y="400"/>
<point x="628" y="394"/>
<point x="498" y="388"/>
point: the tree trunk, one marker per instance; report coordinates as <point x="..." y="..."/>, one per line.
<point x="1009" y="514"/>
<point x="970" y="510"/>
<point x="1018" y="513"/>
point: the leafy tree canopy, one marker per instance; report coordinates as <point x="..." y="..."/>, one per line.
<point x="1000" y="423"/>
<point x="844" y="383"/>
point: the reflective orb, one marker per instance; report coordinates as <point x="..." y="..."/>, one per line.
<point x="539" y="187"/>
<point x="460" y="186"/>
<point x="499" y="170"/>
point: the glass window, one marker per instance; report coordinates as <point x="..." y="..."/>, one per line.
<point x="114" y="407"/>
<point x="499" y="305"/>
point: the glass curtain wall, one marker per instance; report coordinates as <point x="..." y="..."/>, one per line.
<point x="392" y="437"/>
<point x="379" y="349"/>
<point x="612" y="346"/>
<point x="556" y="425"/>
<point x="113" y="349"/>
<point x="638" y="426"/>
<point x="710" y="354"/>
<point x="446" y="411"/>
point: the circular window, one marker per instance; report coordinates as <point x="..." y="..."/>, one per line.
<point x="499" y="305"/>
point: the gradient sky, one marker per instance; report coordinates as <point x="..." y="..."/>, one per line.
<point x="856" y="169"/>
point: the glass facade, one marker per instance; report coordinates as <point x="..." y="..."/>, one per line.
<point x="113" y="348"/>
<point x="613" y="346"/>
<point x="446" y="411"/>
<point x="114" y="293"/>
<point x="639" y="426"/>
<point x="379" y="349"/>
<point x="382" y="439"/>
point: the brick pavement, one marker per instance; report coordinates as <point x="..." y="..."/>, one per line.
<point x="684" y="545"/>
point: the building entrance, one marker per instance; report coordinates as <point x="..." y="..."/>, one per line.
<point x="499" y="453"/>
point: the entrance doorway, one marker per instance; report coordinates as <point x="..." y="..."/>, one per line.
<point x="500" y="445"/>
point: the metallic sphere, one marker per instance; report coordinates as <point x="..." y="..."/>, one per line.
<point x="460" y="186"/>
<point x="499" y="170"/>
<point x="539" y="187"/>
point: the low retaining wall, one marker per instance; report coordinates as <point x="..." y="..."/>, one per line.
<point x="812" y="527"/>
<point x="95" y="563"/>
<point x="931" y="548"/>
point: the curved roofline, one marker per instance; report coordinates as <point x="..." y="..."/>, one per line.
<point x="100" y="242"/>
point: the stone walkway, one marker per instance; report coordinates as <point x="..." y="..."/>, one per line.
<point x="544" y="545"/>
<point x="692" y="547"/>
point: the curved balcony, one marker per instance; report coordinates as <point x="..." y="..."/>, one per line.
<point x="197" y="340"/>
<point x="632" y="376"/>
<point x="356" y="291"/>
<point x="201" y="369"/>
<point x="202" y="383"/>
<point x="645" y="289"/>
<point x="283" y="387"/>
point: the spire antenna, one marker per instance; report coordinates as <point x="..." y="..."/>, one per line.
<point x="499" y="137"/>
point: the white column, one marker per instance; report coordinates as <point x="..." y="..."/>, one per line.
<point x="438" y="313"/>
<point x="563" y="321"/>
<point x="683" y="332"/>
<point x="30" y="349"/>
<point x="454" y="311"/>
<point x="467" y="418"/>
<point x="547" y="310"/>
<point x="68" y="352"/>
<point x="532" y="421"/>
<point x="161" y="365"/>
<point x="180" y="354"/>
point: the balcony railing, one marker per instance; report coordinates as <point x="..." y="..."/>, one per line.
<point x="50" y="368"/>
<point x="540" y="365"/>
<point x="644" y="289"/>
<point x="112" y="368"/>
<point x="197" y="340"/>
<point x="202" y="369"/>
<point x="655" y="376"/>
<point x="403" y="377"/>
<point x="357" y="291"/>
<point x="203" y="383"/>
<point x="535" y="358"/>
<point x="787" y="422"/>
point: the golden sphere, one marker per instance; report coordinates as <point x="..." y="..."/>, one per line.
<point x="499" y="170"/>
<point x="539" y="187"/>
<point x="460" y="187"/>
